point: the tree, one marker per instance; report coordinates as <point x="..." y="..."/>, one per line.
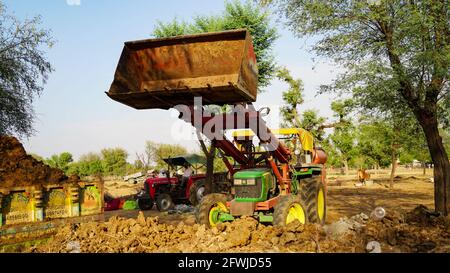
<point x="114" y="161"/>
<point x="23" y="71"/>
<point x="88" y="164"/>
<point x="312" y="122"/>
<point x="374" y="141"/>
<point x="344" y="135"/>
<point x="235" y="16"/>
<point x="333" y="155"/>
<point x="293" y="97"/>
<point x="60" y="161"/>
<point x="404" y="45"/>
<point x="156" y="152"/>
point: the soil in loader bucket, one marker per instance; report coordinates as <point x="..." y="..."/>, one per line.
<point x="162" y="73"/>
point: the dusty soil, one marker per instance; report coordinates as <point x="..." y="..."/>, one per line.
<point x="407" y="227"/>
<point x="18" y="169"/>
<point x="410" y="190"/>
<point x="119" y="189"/>
<point x="416" y="231"/>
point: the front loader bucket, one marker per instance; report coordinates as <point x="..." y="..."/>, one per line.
<point x="162" y="73"/>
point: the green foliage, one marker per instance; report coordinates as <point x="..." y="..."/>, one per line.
<point x="293" y="97"/>
<point x="114" y="161"/>
<point x="88" y="164"/>
<point x="342" y="109"/>
<point x="138" y="165"/>
<point x="413" y="144"/>
<point x="332" y="153"/>
<point x="158" y="151"/>
<point x="23" y="70"/>
<point x="60" y="161"/>
<point x="396" y="53"/>
<point x="236" y="15"/>
<point x="375" y="142"/>
<point x="344" y="140"/>
<point x="174" y="28"/>
<point x="312" y="122"/>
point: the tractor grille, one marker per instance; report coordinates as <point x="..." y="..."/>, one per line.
<point x="253" y="191"/>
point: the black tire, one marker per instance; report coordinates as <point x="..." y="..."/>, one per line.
<point x="145" y="203"/>
<point x="164" y="202"/>
<point x="283" y="207"/>
<point x="309" y="190"/>
<point x="205" y="206"/>
<point x="195" y="192"/>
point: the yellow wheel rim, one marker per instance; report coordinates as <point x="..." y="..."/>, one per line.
<point x="296" y="212"/>
<point x="321" y="204"/>
<point x="214" y="213"/>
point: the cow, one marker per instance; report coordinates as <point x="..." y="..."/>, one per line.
<point x="363" y="176"/>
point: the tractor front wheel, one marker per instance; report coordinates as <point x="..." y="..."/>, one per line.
<point x="210" y="208"/>
<point x="164" y="202"/>
<point x="289" y="208"/>
<point x="313" y="192"/>
<point x="197" y="192"/>
<point x="145" y="203"/>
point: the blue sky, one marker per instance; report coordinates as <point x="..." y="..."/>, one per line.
<point x="75" y="115"/>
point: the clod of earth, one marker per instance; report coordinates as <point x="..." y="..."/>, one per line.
<point x="395" y="233"/>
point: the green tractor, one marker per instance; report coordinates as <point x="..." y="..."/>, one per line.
<point x="298" y="192"/>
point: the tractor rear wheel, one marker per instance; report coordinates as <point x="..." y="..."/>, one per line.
<point x="313" y="192"/>
<point x="145" y="203"/>
<point x="289" y="208"/>
<point x="164" y="202"/>
<point x="197" y="192"/>
<point x="210" y="208"/>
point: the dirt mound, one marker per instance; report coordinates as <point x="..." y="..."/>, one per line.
<point x="393" y="234"/>
<point x="18" y="169"/>
<point x="148" y="235"/>
<point x="419" y="230"/>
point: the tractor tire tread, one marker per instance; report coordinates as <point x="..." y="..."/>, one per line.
<point x="208" y="201"/>
<point x="282" y="209"/>
<point x="308" y="190"/>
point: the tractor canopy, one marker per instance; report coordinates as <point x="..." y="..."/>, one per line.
<point x="306" y="138"/>
<point x="185" y="159"/>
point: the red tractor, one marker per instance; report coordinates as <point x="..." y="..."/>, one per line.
<point x="171" y="188"/>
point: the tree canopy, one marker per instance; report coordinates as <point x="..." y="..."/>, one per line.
<point x="23" y="71"/>
<point x="396" y="53"/>
<point x="235" y="16"/>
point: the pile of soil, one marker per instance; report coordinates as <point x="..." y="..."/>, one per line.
<point x="419" y="230"/>
<point x="18" y="169"/>
<point x="395" y="233"/>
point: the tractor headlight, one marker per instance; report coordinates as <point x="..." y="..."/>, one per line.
<point x="251" y="182"/>
<point x="245" y="182"/>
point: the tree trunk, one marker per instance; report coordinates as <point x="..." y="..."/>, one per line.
<point x="440" y="162"/>
<point x="424" y="165"/>
<point x="346" y="166"/>
<point x="394" y="167"/>
<point x="395" y="147"/>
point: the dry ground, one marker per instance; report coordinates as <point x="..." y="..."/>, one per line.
<point x="406" y="227"/>
<point x="411" y="189"/>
